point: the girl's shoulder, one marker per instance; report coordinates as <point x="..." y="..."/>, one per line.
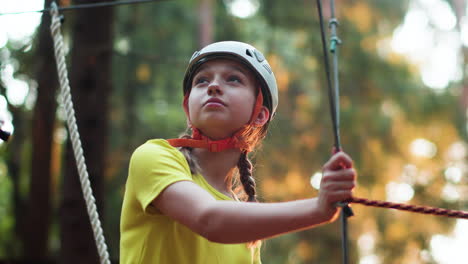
<point x="156" y="145"/>
<point x="157" y="148"/>
<point x="158" y="154"/>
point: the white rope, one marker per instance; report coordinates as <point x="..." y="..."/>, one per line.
<point x="75" y="136"/>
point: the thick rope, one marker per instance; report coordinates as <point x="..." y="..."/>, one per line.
<point x="411" y="208"/>
<point x="75" y="136"/>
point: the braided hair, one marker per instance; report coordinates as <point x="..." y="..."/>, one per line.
<point x="245" y="175"/>
<point x="241" y="183"/>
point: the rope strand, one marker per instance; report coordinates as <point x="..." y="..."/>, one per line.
<point x="410" y="208"/>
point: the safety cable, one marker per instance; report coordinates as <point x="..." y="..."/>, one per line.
<point x="83" y="6"/>
<point x="333" y="96"/>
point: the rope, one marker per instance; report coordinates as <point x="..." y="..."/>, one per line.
<point x="411" y="208"/>
<point x="83" y="6"/>
<point x="75" y="136"/>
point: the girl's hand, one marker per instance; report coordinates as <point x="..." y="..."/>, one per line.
<point x="338" y="182"/>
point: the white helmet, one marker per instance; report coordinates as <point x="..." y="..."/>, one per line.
<point x="247" y="55"/>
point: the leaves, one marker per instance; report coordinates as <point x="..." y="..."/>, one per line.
<point x="384" y="109"/>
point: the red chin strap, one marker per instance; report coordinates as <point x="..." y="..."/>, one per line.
<point x="198" y="140"/>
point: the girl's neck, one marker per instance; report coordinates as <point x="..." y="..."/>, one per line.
<point x="217" y="167"/>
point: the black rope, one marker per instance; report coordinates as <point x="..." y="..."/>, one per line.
<point x="83" y="6"/>
<point x="333" y="95"/>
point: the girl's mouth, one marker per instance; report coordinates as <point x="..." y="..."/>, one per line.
<point x="214" y="102"/>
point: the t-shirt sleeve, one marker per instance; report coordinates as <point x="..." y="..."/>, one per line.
<point x="154" y="166"/>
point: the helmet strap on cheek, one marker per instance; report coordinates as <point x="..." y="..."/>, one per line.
<point x="195" y="132"/>
<point x="257" y="108"/>
<point x="236" y="141"/>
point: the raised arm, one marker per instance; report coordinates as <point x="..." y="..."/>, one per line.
<point x="239" y="222"/>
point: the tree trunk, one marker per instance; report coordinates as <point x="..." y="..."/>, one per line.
<point x="90" y="81"/>
<point x="205" y="26"/>
<point x="39" y="201"/>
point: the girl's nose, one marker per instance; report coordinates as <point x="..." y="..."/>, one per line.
<point x="214" y="87"/>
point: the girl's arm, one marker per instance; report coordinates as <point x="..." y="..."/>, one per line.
<point x="240" y="222"/>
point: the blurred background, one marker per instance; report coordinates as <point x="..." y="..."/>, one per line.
<point x="404" y="97"/>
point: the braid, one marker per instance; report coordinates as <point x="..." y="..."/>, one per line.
<point x="245" y="173"/>
<point x="248" y="182"/>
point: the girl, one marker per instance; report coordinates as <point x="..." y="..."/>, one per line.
<point x="192" y="199"/>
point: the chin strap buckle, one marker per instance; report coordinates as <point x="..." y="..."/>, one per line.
<point x="211" y="145"/>
<point x="220" y="145"/>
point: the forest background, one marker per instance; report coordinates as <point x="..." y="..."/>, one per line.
<point x="403" y="119"/>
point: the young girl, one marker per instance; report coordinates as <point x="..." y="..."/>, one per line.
<point x="192" y="200"/>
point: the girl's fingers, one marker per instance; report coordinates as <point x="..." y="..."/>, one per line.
<point x="339" y="175"/>
<point x="338" y="180"/>
<point x="341" y="186"/>
<point x="339" y="161"/>
<point x="337" y="196"/>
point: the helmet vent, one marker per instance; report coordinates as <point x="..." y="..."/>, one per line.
<point x="267" y="67"/>
<point x="248" y="53"/>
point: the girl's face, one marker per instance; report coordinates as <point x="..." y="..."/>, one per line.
<point x="222" y="98"/>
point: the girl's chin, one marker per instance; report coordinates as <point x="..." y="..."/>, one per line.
<point x="223" y="133"/>
<point x="219" y="125"/>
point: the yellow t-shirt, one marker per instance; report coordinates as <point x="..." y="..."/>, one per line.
<point x="147" y="236"/>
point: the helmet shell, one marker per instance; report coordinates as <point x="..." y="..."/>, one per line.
<point x="247" y="55"/>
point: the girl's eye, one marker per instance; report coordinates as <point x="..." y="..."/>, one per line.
<point x="234" y="79"/>
<point x="200" y="80"/>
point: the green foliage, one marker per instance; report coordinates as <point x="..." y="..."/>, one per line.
<point x="384" y="106"/>
<point x="6" y="216"/>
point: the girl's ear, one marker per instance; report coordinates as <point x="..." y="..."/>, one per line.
<point x="262" y="117"/>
